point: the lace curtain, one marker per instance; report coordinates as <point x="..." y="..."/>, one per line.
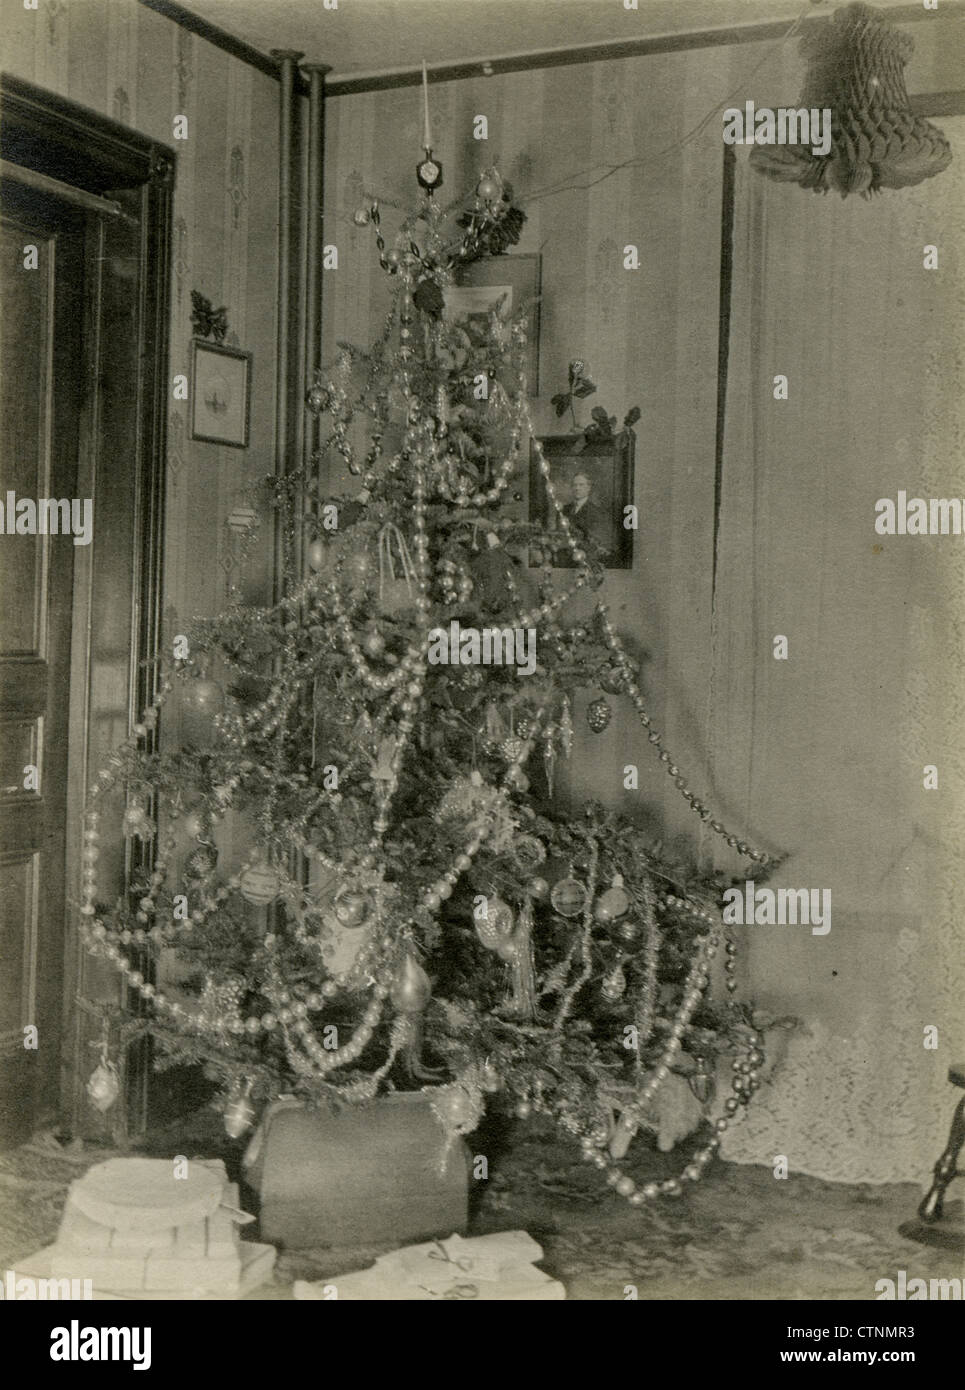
<point x="824" y="753"/>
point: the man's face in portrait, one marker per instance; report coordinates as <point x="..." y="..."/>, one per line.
<point x="582" y="487"/>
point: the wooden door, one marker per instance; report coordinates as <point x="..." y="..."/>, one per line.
<point x="41" y="384"/>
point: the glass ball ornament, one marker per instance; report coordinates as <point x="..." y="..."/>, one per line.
<point x="260" y="884"/>
<point x="494" y="922"/>
<point x="103" y="1086"/>
<point x="202" y="699"/>
<point x="411" y="988"/>
<point x="528" y="853"/>
<point x="538" y="888"/>
<point x="598" y="715"/>
<point x="315" y="555"/>
<point x="489" y="189"/>
<point x="613" y="903"/>
<point x="352" y="908"/>
<point x="455" y="1107"/>
<point x="568" y="897"/>
<point x="373" y="643"/>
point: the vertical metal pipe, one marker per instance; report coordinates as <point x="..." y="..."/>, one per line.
<point x="287" y="60"/>
<point x="313" y="268"/>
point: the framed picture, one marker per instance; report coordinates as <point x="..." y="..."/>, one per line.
<point x="593" y="482"/>
<point x="509" y="284"/>
<point x="220" y="393"/>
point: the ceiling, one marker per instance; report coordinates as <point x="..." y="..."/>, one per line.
<point x="389" y="36"/>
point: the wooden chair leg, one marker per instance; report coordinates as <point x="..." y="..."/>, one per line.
<point x="946" y="1168"/>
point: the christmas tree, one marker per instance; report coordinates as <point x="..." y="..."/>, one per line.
<point x="418" y="907"/>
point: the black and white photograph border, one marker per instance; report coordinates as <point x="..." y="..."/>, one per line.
<point x="536" y="875"/>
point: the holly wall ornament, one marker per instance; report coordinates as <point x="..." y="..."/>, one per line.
<point x="598" y="715"/>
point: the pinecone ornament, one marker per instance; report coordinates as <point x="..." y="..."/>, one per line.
<point x="598" y="715"/>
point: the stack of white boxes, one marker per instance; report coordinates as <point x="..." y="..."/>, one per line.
<point x="132" y="1226"/>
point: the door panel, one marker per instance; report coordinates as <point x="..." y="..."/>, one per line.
<point x="41" y="383"/>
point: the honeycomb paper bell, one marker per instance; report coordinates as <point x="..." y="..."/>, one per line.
<point x="856" y="69"/>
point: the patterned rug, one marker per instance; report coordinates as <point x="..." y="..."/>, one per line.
<point x="740" y="1234"/>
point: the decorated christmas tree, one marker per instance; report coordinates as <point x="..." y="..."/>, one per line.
<point x="419" y="906"/>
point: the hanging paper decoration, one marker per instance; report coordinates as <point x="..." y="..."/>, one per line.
<point x="856" y="70"/>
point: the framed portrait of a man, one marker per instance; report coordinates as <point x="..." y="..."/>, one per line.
<point x="593" y="481"/>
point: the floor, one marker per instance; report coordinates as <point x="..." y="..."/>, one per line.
<point x="740" y="1234"/>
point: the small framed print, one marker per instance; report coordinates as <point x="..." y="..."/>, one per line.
<point x="508" y="284"/>
<point x="220" y="394"/>
<point x="593" y="482"/>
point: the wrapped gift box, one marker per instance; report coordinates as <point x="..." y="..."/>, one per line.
<point x="132" y="1225"/>
<point x="497" y="1267"/>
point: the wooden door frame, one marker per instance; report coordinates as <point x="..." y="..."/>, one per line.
<point x="85" y="151"/>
